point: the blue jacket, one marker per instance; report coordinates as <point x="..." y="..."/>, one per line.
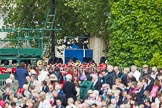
<point x="21" y="74"/>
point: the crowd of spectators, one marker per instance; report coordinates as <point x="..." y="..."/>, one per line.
<point x="82" y="86"/>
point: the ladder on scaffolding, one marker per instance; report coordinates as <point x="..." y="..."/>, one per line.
<point x="27" y="53"/>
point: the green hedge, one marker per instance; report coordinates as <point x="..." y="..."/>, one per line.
<point x="135" y="33"/>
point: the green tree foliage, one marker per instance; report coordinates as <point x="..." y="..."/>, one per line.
<point x="32" y="14"/>
<point x="135" y="27"/>
<point x="92" y="15"/>
<point x="156" y="60"/>
<point x="74" y="16"/>
<point x="25" y="13"/>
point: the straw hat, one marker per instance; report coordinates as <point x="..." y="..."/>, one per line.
<point x="53" y="77"/>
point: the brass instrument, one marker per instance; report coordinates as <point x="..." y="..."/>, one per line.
<point x="39" y="63"/>
<point x="93" y="65"/>
<point x="78" y="63"/>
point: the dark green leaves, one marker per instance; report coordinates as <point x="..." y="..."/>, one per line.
<point x="135" y="28"/>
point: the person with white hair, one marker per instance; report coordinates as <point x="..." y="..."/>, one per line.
<point x="114" y="104"/>
<point x="110" y="68"/>
<point x="111" y="76"/>
<point x="154" y="72"/>
<point x="36" y="83"/>
<point x="15" y="83"/>
<point x="7" y="86"/>
<point x="96" y="82"/>
<point x="70" y="102"/>
<point x="135" y="72"/>
<point x="69" y="77"/>
<point x="96" y="93"/>
<point x="69" y="88"/>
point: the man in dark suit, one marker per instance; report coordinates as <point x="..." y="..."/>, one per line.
<point x="145" y="86"/>
<point x="118" y="73"/>
<point x="123" y="98"/>
<point x="128" y="78"/>
<point x="60" y="97"/>
<point x="114" y="104"/>
<point x="140" y="94"/>
<point x="59" y="104"/>
<point x="160" y="88"/>
<point x="58" y="74"/>
<point x="111" y="76"/>
<point x="96" y="82"/>
<point x="69" y="88"/>
<point x="44" y="86"/>
<point x="145" y="70"/>
<point x="150" y="82"/>
<point x="104" y="77"/>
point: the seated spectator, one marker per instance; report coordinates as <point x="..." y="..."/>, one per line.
<point x="13" y="105"/>
<point x="49" y="95"/>
<point x="2" y="102"/>
<point x="118" y="73"/>
<point x="26" y="93"/>
<point x="35" y="83"/>
<point x="154" y="90"/>
<point x="114" y="104"/>
<point x="135" y="72"/>
<point x="145" y="70"/>
<point x="44" y="86"/>
<point x="56" y="96"/>
<point x="111" y="76"/>
<point x="96" y="82"/>
<point x="150" y="82"/>
<point x="94" y="105"/>
<point x="70" y="102"/>
<point x="154" y="72"/>
<point x="8" y="85"/>
<point x="59" y="104"/>
<point x="133" y="87"/>
<point x="15" y="83"/>
<point x="7" y="105"/>
<point x="119" y="84"/>
<point x="24" y="103"/>
<point x="43" y="102"/>
<point x="84" y="87"/>
<point x="69" y="88"/>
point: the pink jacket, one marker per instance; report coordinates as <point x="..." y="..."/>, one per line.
<point x="154" y="91"/>
<point x="2" y="103"/>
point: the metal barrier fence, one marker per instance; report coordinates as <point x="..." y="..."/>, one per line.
<point x="2" y="83"/>
<point x="3" y="78"/>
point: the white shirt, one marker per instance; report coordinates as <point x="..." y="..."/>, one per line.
<point x="136" y="74"/>
<point x="37" y="85"/>
<point x="42" y="76"/>
<point x="94" y="83"/>
<point x="49" y="96"/>
<point x="70" y="106"/>
<point x="154" y="76"/>
<point x="44" y="104"/>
